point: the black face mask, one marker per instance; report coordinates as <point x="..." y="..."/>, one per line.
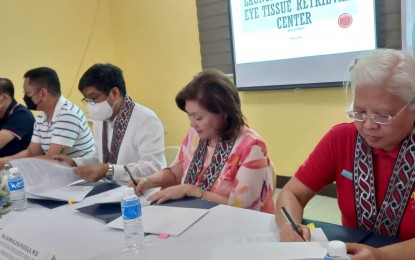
<point x="29" y="103"/>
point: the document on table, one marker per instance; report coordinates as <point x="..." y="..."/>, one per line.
<point x="274" y="251"/>
<point x="267" y="246"/>
<point x="47" y="179"/>
<point x="317" y="235"/>
<point x="116" y="196"/>
<point x="165" y="220"/>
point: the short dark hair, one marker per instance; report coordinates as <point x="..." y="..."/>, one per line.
<point x="103" y="77"/>
<point x="46" y="78"/>
<point x="216" y="93"/>
<point x="6" y="87"/>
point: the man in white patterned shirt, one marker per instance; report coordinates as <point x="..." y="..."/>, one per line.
<point x="129" y="137"/>
<point x="60" y="127"/>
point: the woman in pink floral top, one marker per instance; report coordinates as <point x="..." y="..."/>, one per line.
<point x="221" y="159"/>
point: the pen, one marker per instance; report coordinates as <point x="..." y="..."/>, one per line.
<point x="61" y="152"/>
<point x="291" y="221"/>
<point x="129" y="173"/>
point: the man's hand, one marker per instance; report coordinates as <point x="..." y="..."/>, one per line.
<point x="93" y="172"/>
<point x="65" y="160"/>
<point x="2" y="163"/>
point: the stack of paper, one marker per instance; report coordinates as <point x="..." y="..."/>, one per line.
<point x="47" y="179"/>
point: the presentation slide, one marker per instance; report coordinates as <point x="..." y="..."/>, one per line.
<point x="408" y="26"/>
<point x="283" y="43"/>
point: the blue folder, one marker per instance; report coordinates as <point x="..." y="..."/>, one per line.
<point x="352" y="235"/>
<point x="110" y="211"/>
<point x="376" y="240"/>
<point x="336" y="232"/>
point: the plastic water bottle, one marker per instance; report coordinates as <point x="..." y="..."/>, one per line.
<point x="133" y="219"/>
<point x="16" y="189"/>
<point x="336" y="250"/>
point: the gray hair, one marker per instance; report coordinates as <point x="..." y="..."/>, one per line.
<point x="384" y="67"/>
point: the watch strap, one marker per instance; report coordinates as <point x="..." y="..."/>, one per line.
<point x="110" y="173"/>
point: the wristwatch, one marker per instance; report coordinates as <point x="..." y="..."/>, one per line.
<point x="110" y="172"/>
<point x="7" y="166"/>
<point x="199" y="193"/>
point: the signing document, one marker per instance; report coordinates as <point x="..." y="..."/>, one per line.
<point x="267" y="246"/>
<point x="48" y="179"/>
<point x="117" y="194"/>
<point x="271" y="251"/>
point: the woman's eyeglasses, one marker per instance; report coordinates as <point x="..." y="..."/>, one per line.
<point x="377" y="118"/>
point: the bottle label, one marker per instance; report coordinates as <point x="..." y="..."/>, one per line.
<point x="16" y="184"/>
<point x="131" y="209"/>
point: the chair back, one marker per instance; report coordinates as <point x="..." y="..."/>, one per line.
<point x="170" y="152"/>
<point x="274" y="176"/>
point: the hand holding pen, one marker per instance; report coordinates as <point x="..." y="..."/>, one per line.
<point x="301" y="232"/>
<point x="139" y="187"/>
<point x="131" y="176"/>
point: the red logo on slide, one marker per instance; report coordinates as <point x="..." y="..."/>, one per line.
<point x="345" y="20"/>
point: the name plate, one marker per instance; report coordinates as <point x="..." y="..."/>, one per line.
<point x="13" y="248"/>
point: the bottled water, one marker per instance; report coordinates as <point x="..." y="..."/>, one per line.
<point x="336" y="250"/>
<point x="16" y="189"/>
<point x="133" y="219"/>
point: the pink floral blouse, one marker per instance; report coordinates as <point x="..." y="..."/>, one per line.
<point x="246" y="177"/>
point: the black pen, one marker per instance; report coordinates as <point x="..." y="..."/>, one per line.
<point x="291" y="221"/>
<point x="129" y="173"/>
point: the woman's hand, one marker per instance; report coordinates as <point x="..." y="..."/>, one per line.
<point x="287" y="233"/>
<point x="142" y="185"/>
<point x="363" y="252"/>
<point x="173" y="193"/>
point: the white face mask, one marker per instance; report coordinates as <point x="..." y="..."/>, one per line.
<point x="100" y="111"/>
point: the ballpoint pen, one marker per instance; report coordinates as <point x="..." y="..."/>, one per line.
<point x="291" y="221"/>
<point x="131" y="176"/>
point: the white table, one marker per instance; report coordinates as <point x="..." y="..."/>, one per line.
<point x="72" y="235"/>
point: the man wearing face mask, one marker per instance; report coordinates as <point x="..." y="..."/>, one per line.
<point x="16" y="121"/>
<point x="126" y="133"/>
<point x="60" y="126"/>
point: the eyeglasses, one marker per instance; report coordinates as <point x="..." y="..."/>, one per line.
<point x="91" y="101"/>
<point x="377" y="118"/>
<point x="25" y="94"/>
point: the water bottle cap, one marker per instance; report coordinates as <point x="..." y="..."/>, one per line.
<point x="336" y="248"/>
<point x="128" y="191"/>
<point x="13" y="170"/>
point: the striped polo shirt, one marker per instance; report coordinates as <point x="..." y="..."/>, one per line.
<point x="68" y="127"/>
